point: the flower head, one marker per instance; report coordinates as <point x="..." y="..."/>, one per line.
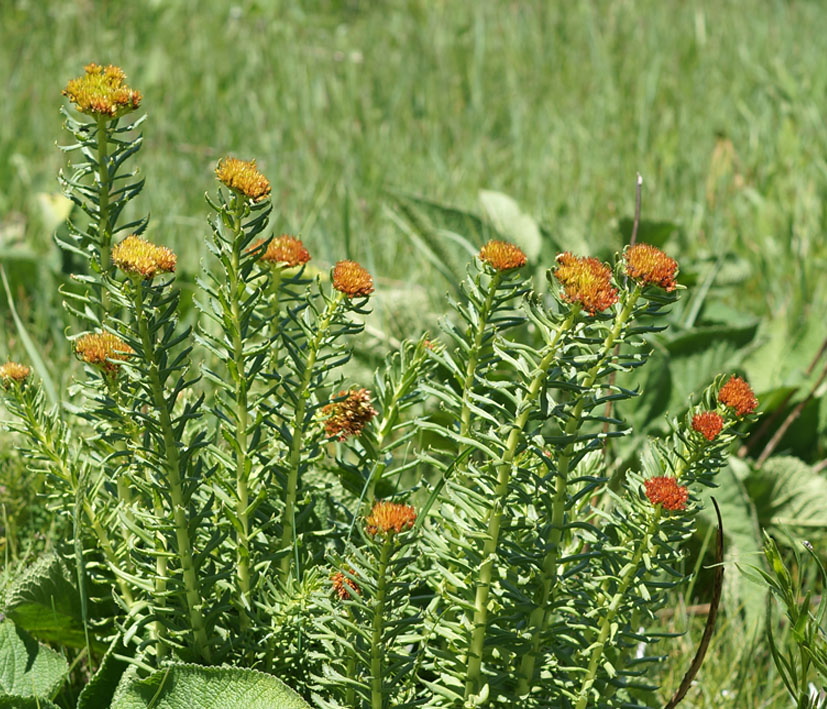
<point x="343" y="585"/>
<point x="351" y="279"/>
<point x="137" y="256"/>
<point x="737" y="394"/>
<point x="285" y="249"/>
<point x="349" y="416"/>
<point x="665" y="491"/>
<point x="502" y="256"/>
<point x="101" y="91"/>
<point x="709" y="423"/>
<point x="242" y="176"/>
<point x="13" y="373"/>
<point x="586" y="281"/>
<point x="649" y="265"/>
<point x="389" y="518"/>
<point x="101" y="348"/>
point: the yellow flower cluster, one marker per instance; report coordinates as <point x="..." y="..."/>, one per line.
<point x="103" y="349"/>
<point x="242" y="176"/>
<point x="137" y="256"/>
<point x="283" y="250"/>
<point x="389" y="517"/>
<point x="352" y="279"/>
<point x="587" y="281"/>
<point x="101" y="91"/>
<point x="502" y="256"/>
<point x="12" y="372"/>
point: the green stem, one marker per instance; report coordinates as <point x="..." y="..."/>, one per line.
<point x="483" y="586"/>
<point x="195" y="603"/>
<point x="539" y="616"/>
<point x="294" y="463"/>
<point x="104" y="227"/>
<point x="64" y="472"/>
<point x="275" y="295"/>
<point x="607" y="619"/>
<point x="376" y="645"/>
<point x="243" y="464"/>
<point x="474" y="353"/>
<point x="406" y="382"/>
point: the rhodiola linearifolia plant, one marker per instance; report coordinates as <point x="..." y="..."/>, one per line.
<point x="443" y="537"/>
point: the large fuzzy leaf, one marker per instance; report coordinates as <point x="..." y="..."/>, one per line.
<point x="183" y="686"/>
<point x="45" y="602"/>
<point x="26" y="668"/>
<point x="510" y="221"/>
<point x="101" y="688"/>
<point x="787" y="492"/>
<point x="9" y="702"/>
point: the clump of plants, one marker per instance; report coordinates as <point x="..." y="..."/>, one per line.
<point x="445" y="535"/>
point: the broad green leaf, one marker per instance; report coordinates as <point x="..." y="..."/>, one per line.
<point x="9" y="702"/>
<point x="743" y="546"/>
<point x="682" y="367"/>
<point x="648" y="232"/>
<point x="787" y="492"/>
<point x="54" y="209"/>
<point x="184" y="686"/>
<point x="28" y="669"/>
<point x="514" y="224"/>
<point x="44" y="601"/>
<point x="101" y="688"/>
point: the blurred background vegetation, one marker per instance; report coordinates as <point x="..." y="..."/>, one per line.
<point x="403" y="133"/>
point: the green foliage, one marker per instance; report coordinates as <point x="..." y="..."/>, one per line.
<point x="180" y="686"/>
<point x="26" y="668"/>
<point x="805" y="655"/>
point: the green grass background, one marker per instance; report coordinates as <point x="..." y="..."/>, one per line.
<point x="719" y="105"/>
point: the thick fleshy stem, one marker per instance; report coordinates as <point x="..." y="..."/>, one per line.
<point x="475" y="351"/>
<point x="172" y="463"/>
<point x="236" y="288"/>
<point x="608" y="616"/>
<point x="504" y="466"/>
<point x="296" y="448"/>
<point x="538" y="617"/>
<point x="376" y="649"/>
<point x="104" y="227"/>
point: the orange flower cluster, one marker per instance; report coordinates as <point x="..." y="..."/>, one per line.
<point x="709" y="423"/>
<point x="284" y="250"/>
<point x="502" y="256"/>
<point x="12" y="372"/>
<point x="665" y="491"/>
<point x="648" y="265"/>
<point x="587" y="281"/>
<point x="100" y="348"/>
<point x="351" y="279"/>
<point x="242" y="176"/>
<point x="343" y="585"/>
<point x="139" y="257"/>
<point x="737" y="394"/>
<point x="389" y="518"/>
<point x="349" y="416"/>
<point x="101" y="91"/>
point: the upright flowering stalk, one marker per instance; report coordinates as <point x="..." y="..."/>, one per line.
<point x="242" y="348"/>
<point x="313" y="350"/>
<point x="159" y="362"/>
<point x="659" y="502"/>
<point x="371" y="623"/>
<point x="51" y="449"/>
<point x="586" y="282"/>
<point x="96" y="183"/>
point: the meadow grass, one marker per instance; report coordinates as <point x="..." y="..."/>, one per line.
<point x="719" y="105"/>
